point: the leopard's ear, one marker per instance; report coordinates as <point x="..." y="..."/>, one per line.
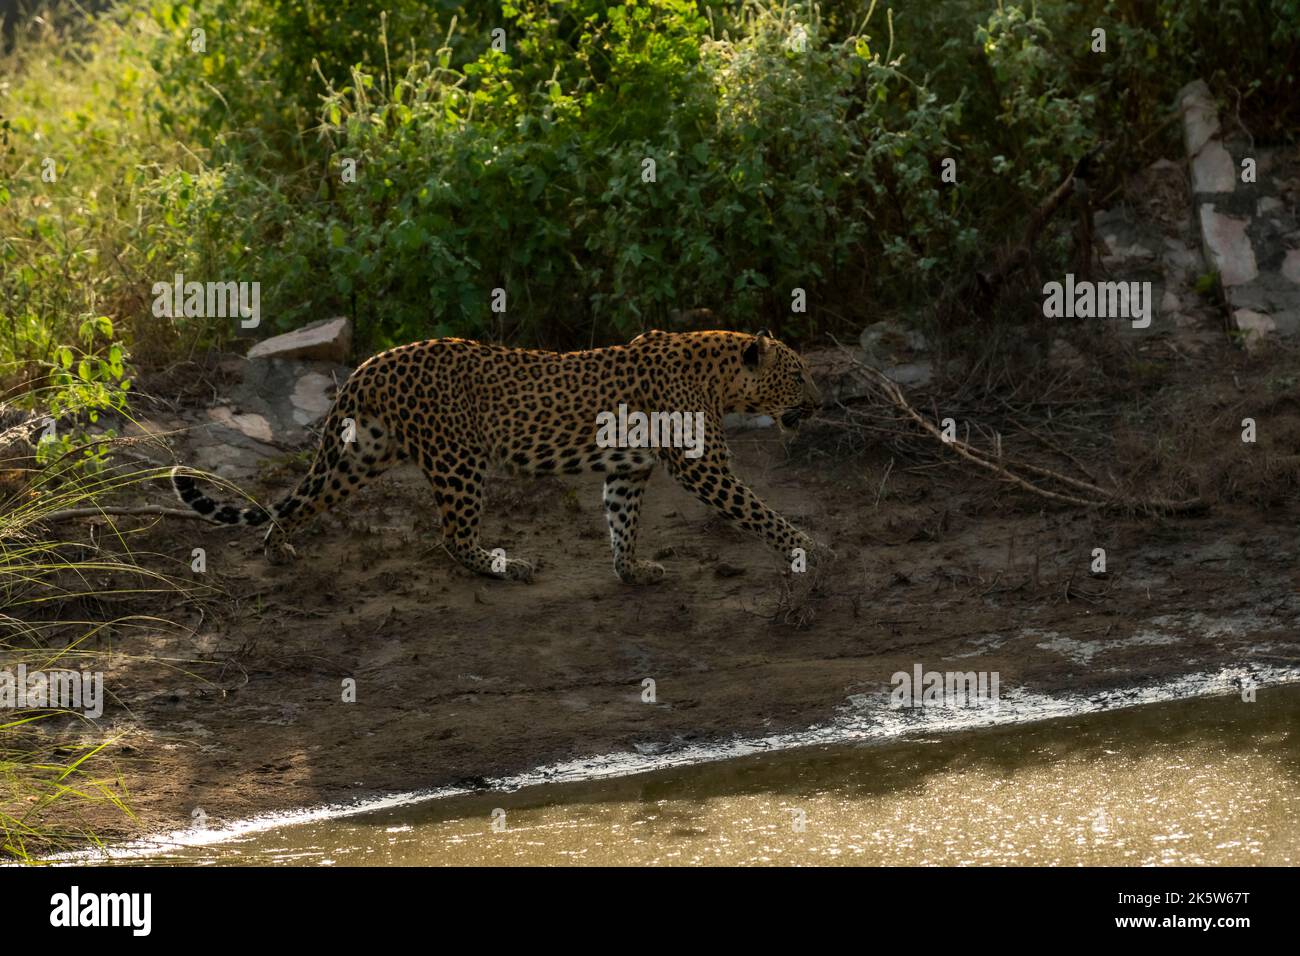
<point x="757" y="349"/>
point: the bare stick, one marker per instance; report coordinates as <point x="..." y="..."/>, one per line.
<point x="121" y="511"/>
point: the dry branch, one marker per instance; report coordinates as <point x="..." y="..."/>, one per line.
<point x="121" y="511"/>
<point x="1085" y="494"/>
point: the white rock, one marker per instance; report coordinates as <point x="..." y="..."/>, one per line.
<point x="250" y="424"/>
<point x="746" y="420"/>
<point x="1291" y="265"/>
<point x="311" y="398"/>
<point x="912" y="373"/>
<point x="1256" y="325"/>
<point x="1200" y="116"/>
<point x="329" y="340"/>
<point x="1227" y="247"/>
<point x="879" y="338"/>
<point x="1212" y="168"/>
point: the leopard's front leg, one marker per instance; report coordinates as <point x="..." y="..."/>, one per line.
<point x="623" y="512"/>
<point x="711" y="479"/>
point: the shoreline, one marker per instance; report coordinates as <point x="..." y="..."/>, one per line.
<point x="854" y="725"/>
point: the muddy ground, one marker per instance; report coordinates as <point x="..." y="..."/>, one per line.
<point x="460" y="678"/>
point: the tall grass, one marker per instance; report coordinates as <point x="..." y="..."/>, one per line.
<point x="60" y="597"/>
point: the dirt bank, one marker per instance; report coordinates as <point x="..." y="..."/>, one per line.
<point x="458" y="677"/>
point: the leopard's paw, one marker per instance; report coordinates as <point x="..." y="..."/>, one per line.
<point x="280" y="552"/>
<point x="519" y="570"/>
<point x="641" y="572"/>
<point x="809" y="554"/>
<point x="824" y="552"/>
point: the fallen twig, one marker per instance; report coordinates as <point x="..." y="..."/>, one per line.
<point x="1096" y="496"/>
<point x="121" y="511"/>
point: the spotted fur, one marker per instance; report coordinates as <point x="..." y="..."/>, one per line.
<point x="458" y="408"/>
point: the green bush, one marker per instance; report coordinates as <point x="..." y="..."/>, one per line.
<point x="794" y="147"/>
<point x="526" y="171"/>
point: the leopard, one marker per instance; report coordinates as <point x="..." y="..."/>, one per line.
<point x="461" y="409"/>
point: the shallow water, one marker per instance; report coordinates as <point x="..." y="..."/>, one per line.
<point x="1188" y="782"/>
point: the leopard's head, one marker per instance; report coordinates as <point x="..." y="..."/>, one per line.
<point x="773" y="380"/>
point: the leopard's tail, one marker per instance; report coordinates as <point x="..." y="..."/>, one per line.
<point x="215" y="511"/>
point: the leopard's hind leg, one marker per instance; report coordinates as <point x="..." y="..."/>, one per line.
<point x="623" y="513"/>
<point x="456" y="475"/>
